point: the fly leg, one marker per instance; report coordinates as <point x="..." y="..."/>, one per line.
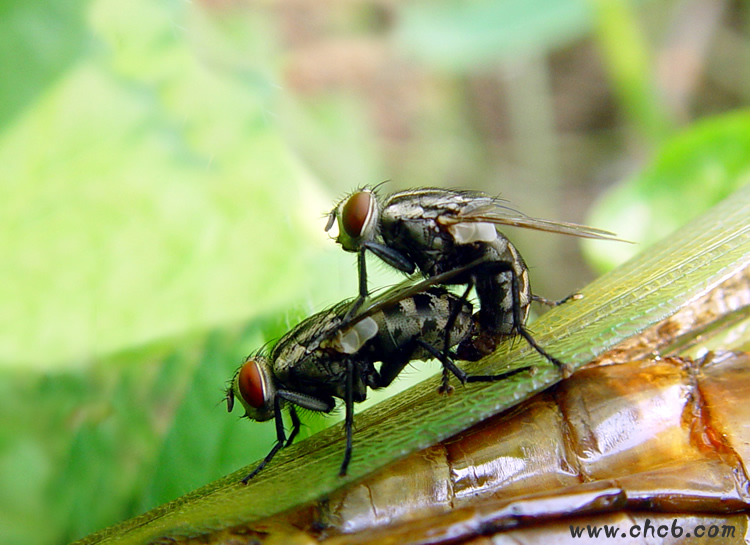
<point x="307" y="402"/>
<point x="550" y="303"/>
<point x="295" y="426"/>
<point x="445" y="387"/>
<point x="362" y="270"/>
<point x="280" y="439"/>
<point x="460" y="374"/>
<point x="392" y="257"/>
<point x="349" y="419"/>
<point x="492" y="298"/>
<point x="521" y="330"/>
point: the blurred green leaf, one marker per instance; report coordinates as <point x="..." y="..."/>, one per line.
<point x="203" y="441"/>
<point x="139" y="428"/>
<point x="38" y="43"/>
<point x="691" y="173"/>
<point x="628" y="59"/>
<point x="468" y="36"/>
<point x="145" y="194"/>
<point x="465" y="35"/>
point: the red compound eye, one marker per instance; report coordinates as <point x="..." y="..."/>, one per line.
<point x="355" y="213"/>
<point x="252" y="385"/>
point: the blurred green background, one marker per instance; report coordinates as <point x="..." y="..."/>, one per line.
<point x="165" y="168"/>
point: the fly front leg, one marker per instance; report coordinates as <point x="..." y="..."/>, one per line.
<point x="324" y="405"/>
<point x="362" y="272"/>
<point x="281" y="440"/>
<point x="295" y="425"/>
<point x="392" y="257"/>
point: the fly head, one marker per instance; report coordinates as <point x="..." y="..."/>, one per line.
<point x="358" y="217"/>
<point x="253" y="384"/>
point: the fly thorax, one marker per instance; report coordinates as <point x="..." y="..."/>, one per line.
<point x="466" y="233"/>
<point x="350" y="340"/>
<point x="286" y="358"/>
<point x="404" y="211"/>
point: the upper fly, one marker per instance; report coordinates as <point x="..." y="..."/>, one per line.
<point x="438" y="230"/>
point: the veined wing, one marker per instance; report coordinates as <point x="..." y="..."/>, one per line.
<point x="313" y="329"/>
<point x="335" y="328"/>
<point x="407" y="289"/>
<point x="453" y="206"/>
<point x="495" y="213"/>
<point x="324" y="325"/>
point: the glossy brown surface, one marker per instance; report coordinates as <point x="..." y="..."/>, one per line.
<point x="614" y="445"/>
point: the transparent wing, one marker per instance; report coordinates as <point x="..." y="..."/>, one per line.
<point x="453" y="206"/>
<point x="498" y="214"/>
<point x="406" y="289"/>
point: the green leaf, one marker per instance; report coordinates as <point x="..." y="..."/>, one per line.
<point x="39" y="41"/>
<point x="145" y="194"/>
<point x="616" y="307"/>
<point x="628" y="59"/>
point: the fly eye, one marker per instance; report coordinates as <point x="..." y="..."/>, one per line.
<point x="252" y="385"/>
<point x="356" y="212"/>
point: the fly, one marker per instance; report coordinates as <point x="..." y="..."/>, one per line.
<point x="437" y="230"/>
<point x="408" y="322"/>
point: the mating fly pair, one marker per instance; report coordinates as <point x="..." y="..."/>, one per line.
<point x="331" y="355"/>
<point x="451" y="237"/>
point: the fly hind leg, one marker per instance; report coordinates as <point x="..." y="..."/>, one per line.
<point x="349" y="418"/>
<point x="449" y="366"/>
<point x="519" y="327"/>
<point x="492" y="316"/>
<point x="550" y="303"/>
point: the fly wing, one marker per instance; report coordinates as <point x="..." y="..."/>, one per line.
<point x="331" y="326"/>
<point x="308" y="333"/>
<point x="498" y="214"/>
<point x="453" y="206"/>
<point x="409" y="288"/>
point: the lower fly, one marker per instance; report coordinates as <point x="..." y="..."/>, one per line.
<point x="398" y="327"/>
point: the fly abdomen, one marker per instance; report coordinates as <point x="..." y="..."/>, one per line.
<point x="424" y="316"/>
<point x="499" y="302"/>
